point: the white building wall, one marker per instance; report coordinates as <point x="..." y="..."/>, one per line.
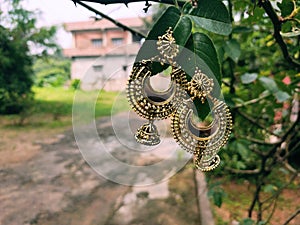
<point x="109" y="72"/>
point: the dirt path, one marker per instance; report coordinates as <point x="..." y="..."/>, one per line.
<point x="56" y="186"/>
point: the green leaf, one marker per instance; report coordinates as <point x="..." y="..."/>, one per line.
<point x="242" y="29"/>
<point x="242" y="150"/>
<point x="248" y="78"/>
<point x="211" y="15"/>
<point x="169" y="18"/>
<point x="270" y="188"/>
<point x="217" y="194"/>
<point x="281" y="96"/>
<point x="247" y="221"/>
<point x="181" y="26"/>
<point x="200" y="52"/>
<point x="286" y="7"/>
<point x="240" y="165"/>
<point x="233" y="49"/>
<point x="269" y="84"/>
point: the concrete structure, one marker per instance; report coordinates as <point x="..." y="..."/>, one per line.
<point x="102" y="52"/>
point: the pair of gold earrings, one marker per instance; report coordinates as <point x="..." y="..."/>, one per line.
<point x="202" y="140"/>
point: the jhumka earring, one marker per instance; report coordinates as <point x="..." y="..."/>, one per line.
<point x="152" y="104"/>
<point x="202" y="140"/>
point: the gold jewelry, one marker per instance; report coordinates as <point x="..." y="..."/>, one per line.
<point x="166" y="45"/>
<point x="200" y="86"/>
<point x="146" y="101"/>
<point x="147" y="134"/>
<point x="202" y="140"/>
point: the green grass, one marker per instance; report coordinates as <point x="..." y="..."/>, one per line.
<point x="53" y="107"/>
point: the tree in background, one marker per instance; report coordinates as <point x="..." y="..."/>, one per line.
<point x="18" y="37"/>
<point x="51" y="71"/>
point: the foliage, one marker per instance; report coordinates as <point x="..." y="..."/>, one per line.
<point x="51" y="71"/>
<point x="18" y="33"/>
<point x="75" y="84"/>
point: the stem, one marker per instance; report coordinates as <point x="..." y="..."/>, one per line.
<point x="255" y="198"/>
<point x="267" y="6"/>
<point x="108" y="2"/>
<point x="124" y="27"/>
<point x="254" y="122"/>
<point x="292" y="217"/>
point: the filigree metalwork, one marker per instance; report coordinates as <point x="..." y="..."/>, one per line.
<point x="201" y="85"/>
<point x="147" y="134"/>
<point x="167" y="47"/>
<point x="202" y="140"/>
<point x="146" y="101"/>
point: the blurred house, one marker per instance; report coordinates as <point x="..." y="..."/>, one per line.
<point x="102" y="52"/>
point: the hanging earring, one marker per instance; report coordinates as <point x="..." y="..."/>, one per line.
<point x="146" y="101"/>
<point x="167" y="47"/>
<point x="200" y="86"/>
<point x="203" y="141"/>
<point x="152" y="104"/>
<point x="147" y="134"/>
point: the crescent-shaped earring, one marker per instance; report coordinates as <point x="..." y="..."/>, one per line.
<point x="152" y="104"/>
<point x="148" y="102"/>
<point x="203" y="141"/>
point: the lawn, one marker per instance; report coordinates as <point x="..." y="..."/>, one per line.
<point x="49" y="116"/>
<point x="52" y="107"/>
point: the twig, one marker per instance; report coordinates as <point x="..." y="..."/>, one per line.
<point x="252" y="101"/>
<point x="256" y="196"/>
<point x="254" y="140"/>
<point x="273" y="210"/>
<point x="108" y="2"/>
<point x="124" y="27"/>
<point x="253" y="121"/>
<point x="289" y="131"/>
<point x="237" y="171"/>
<point x="292" y="217"/>
<point x="267" y="6"/>
<point x="282" y="188"/>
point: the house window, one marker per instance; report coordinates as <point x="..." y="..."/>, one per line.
<point x="98" y="68"/>
<point x="97" y="43"/>
<point x="117" y="41"/>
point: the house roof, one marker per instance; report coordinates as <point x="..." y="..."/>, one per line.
<point x="102" y="24"/>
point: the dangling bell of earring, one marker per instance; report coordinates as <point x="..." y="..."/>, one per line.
<point x="147" y="134"/>
<point x="207" y="163"/>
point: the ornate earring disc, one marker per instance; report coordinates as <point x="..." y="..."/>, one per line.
<point x="146" y="101"/>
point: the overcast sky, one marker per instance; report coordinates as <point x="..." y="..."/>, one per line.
<point x="57" y="12"/>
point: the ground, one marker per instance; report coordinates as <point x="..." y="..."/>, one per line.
<point x="45" y="181"/>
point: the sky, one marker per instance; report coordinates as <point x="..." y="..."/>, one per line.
<point x="57" y="12"/>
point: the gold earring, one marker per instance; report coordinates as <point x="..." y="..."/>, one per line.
<point x="167" y="47"/>
<point x="203" y="141"/>
<point x="200" y="86"/>
<point x="147" y="134"/>
<point x="152" y="104"/>
<point x="146" y="101"/>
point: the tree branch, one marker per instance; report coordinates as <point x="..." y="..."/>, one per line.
<point x="124" y="27"/>
<point x="252" y="101"/>
<point x="237" y="171"/>
<point x="292" y="217"/>
<point x="126" y="2"/>
<point x="277" y="29"/>
<point x="253" y="121"/>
